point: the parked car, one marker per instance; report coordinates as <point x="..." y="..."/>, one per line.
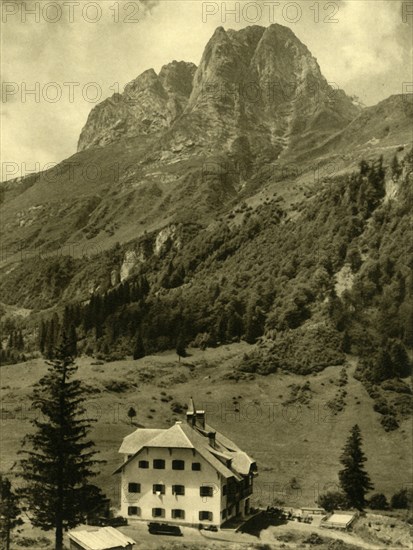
<point x="112" y="522"/>
<point x="164" y="529"/>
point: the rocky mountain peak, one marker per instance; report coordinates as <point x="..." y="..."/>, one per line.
<point x="149" y="104"/>
<point x="258" y="85"/>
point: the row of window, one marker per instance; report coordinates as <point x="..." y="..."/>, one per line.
<point x="159" y="464"/>
<point x="158" y="489"/>
<point x="175" y="514"/>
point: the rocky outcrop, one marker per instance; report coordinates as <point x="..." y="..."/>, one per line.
<point x="258" y="86"/>
<point x="134" y="258"/>
<point x="158" y="245"/>
<point x="148" y="105"/>
<point x="264" y="85"/>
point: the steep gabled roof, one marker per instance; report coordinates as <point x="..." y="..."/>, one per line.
<point x="137" y="439"/>
<point x="224" y="456"/>
<point x="173" y="437"/>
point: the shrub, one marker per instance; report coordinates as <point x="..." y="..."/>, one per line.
<point x="381" y="406"/>
<point x="314" y="538"/>
<point x="378" y="501"/>
<point x="404" y="404"/>
<point x="178" y="408"/>
<point x="389" y="423"/>
<point x="117" y="386"/>
<point x="257" y="364"/>
<point x="396" y="385"/>
<point x="334" y="500"/>
<point x="402" y="499"/>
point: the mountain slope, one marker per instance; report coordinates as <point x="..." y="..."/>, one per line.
<point x="218" y="206"/>
<point x="191" y="143"/>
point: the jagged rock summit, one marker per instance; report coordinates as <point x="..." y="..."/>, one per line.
<point x="149" y="104"/>
<point x="257" y="89"/>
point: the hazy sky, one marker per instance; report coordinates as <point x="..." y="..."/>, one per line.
<point x="69" y="52"/>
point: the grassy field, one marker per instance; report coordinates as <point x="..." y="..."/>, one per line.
<point x="287" y="438"/>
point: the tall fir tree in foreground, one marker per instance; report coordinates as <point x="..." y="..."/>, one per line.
<point x="9" y="512"/>
<point x="59" y="457"/>
<point x="354" y="480"/>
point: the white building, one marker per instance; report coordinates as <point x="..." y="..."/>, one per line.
<point x="102" y="538"/>
<point x="187" y="474"/>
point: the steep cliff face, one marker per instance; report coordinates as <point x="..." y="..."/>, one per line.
<point x="149" y="104"/>
<point x="258" y="85"/>
<point x="166" y="239"/>
<point x="263" y="84"/>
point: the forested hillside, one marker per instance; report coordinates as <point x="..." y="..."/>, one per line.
<point x="268" y="277"/>
<point x="284" y="221"/>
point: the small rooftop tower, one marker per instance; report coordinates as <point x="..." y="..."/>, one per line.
<point x="194" y="417"/>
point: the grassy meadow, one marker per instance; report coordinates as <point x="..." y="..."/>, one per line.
<point x="288" y="429"/>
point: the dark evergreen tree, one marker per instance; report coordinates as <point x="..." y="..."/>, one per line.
<point x="131" y="414"/>
<point x="144" y="286"/>
<point x="408" y="325"/>
<point x="19" y="343"/>
<point x="402" y="499"/>
<point x="180" y="346"/>
<point x="49" y="339"/>
<point x="9" y="512"/>
<point x="346" y="342"/>
<point x="382" y="366"/>
<point x="139" y="349"/>
<point x="400" y="359"/>
<point x="234" y="325"/>
<point x="354" y="480"/>
<point x="59" y="457"/>
<point x="97" y="316"/>
<point x="67" y="318"/>
<point x="42" y="335"/>
<point x="254" y="322"/>
<point x="221" y="330"/>
<point x="72" y="340"/>
<point x="378" y="501"/>
<point x="10" y="343"/>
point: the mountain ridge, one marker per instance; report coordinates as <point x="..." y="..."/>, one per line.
<point x="259" y="83"/>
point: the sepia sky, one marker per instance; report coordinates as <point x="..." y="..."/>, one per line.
<point x="71" y="52"/>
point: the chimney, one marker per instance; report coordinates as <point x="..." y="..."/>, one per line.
<point x="200" y="419"/>
<point x="194" y="417"/>
<point x="191" y="414"/>
<point x="211" y="439"/>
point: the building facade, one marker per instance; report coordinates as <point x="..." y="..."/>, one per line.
<point x="187" y="474"/>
